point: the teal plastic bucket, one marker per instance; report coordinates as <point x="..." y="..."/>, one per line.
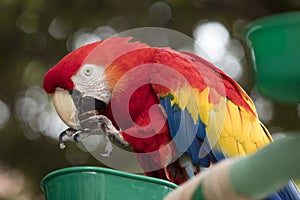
<point x="274" y="48"/>
<point x="96" y="183"/>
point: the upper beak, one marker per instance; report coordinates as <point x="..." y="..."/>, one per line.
<point x="66" y="108"/>
<point x="70" y="104"/>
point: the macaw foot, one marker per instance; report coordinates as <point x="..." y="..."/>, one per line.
<point x="95" y="125"/>
<point x="81" y="135"/>
<point x="108" y="129"/>
<point x="99" y="124"/>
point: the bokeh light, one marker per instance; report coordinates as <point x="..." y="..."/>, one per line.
<point x="37" y="114"/>
<point x="11" y="183"/>
<point x="104" y="32"/>
<point x="33" y="72"/>
<point x="83" y="37"/>
<point x="27" y="22"/>
<point x="50" y="123"/>
<point x="59" y="29"/>
<point x="4" y="114"/>
<point x="264" y="107"/>
<point x="160" y="12"/>
<point x="222" y="50"/>
<point x="231" y="66"/>
<point x="213" y="37"/>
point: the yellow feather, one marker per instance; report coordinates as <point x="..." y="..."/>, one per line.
<point x="249" y="147"/>
<point x="192" y="106"/>
<point x="235" y="118"/>
<point x="183" y="94"/>
<point x="187" y="97"/>
<point x="234" y="130"/>
<point x="175" y="99"/>
<point x="246" y="127"/>
<point x="216" y="122"/>
<point x="229" y="146"/>
<point x="204" y="105"/>
<point x="228" y="124"/>
<point x="258" y="135"/>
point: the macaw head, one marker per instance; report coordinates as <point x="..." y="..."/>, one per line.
<point x="81" y="81"/>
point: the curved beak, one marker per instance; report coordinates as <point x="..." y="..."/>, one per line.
<point x="66" y="108"/>
<point x="71" y="106"/>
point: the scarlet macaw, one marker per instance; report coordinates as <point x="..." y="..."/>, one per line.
<point x="176" y="106"/>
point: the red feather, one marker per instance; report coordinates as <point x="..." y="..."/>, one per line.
<point x="60" y="75"/>
<point x="99" y="53"/>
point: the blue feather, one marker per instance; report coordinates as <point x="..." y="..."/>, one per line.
<point x="289" y="192"/>
<point x="188" y="136"/>
<point x="274" y="196"/>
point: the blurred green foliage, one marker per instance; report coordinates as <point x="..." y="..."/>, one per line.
<point x="28" y="50"/>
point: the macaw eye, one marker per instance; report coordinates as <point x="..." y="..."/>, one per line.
<point x="88" y="70"/>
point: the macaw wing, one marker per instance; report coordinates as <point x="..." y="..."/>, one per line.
<point x="209" y="115"/>
<point x="242" y="132"/>
<point x="188" y="136"/>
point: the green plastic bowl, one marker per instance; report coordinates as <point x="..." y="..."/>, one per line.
<point x="96" y="183"/>
<point x="274" y="48"/>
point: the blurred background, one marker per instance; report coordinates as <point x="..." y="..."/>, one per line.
<point x="35" y="34"/>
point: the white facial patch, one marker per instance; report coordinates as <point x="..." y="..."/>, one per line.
<point x="90" y="81"/>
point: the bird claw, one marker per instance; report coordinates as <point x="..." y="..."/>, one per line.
<point x="97" y="125"/>
<point x="69" y="132"/>
<point x="62" y="145"/>
<point x="108" y="129"/>
<point x="75" y="137"/>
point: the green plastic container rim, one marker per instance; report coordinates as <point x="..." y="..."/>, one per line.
<point x="273" y="20"/>
<point x="92" y="169"/>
